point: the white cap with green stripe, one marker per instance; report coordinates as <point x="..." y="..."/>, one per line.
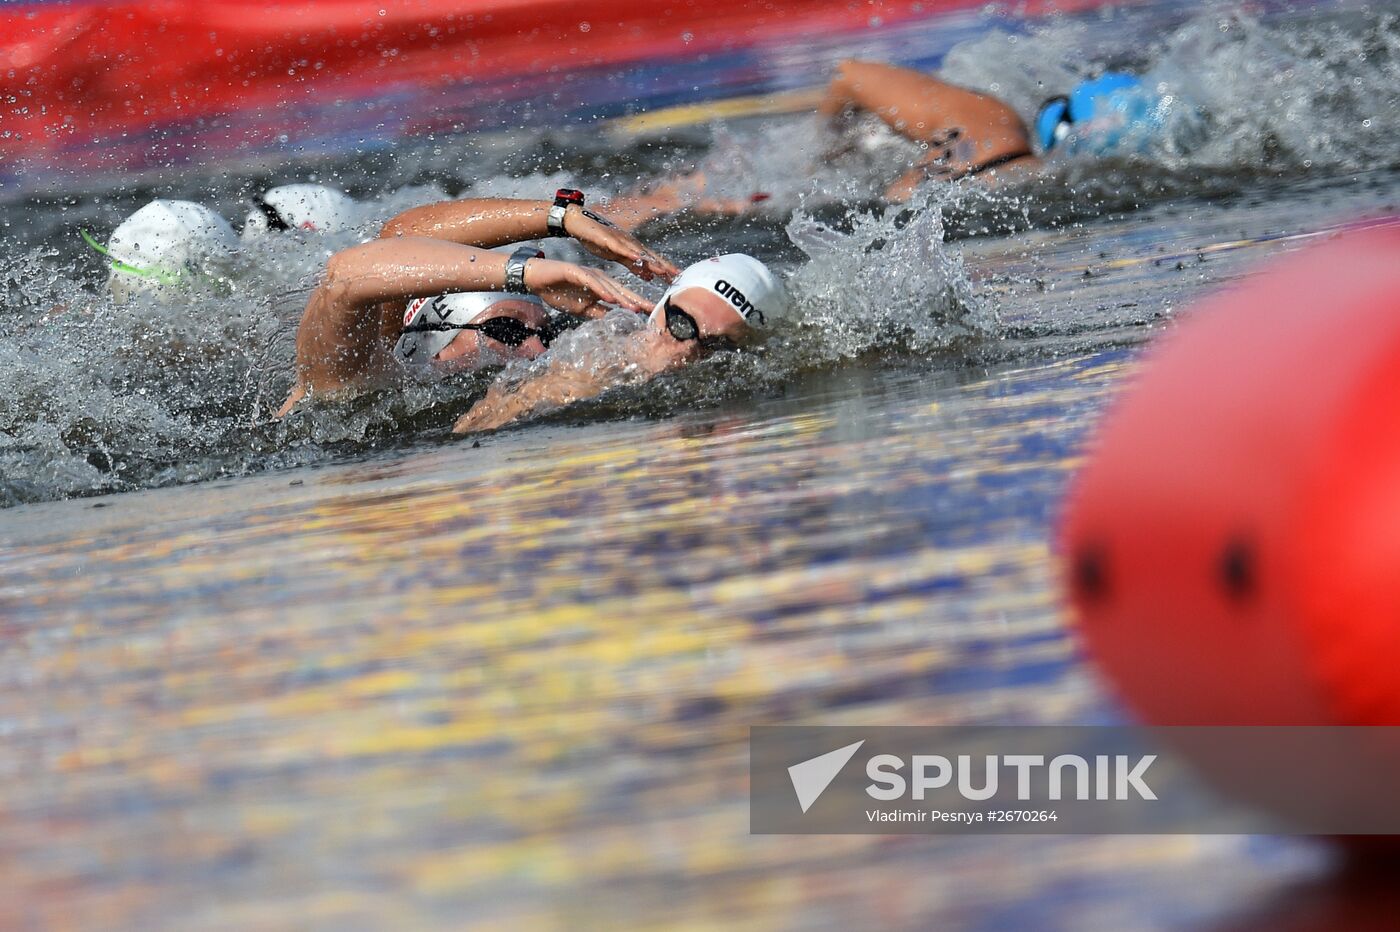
<point x="164" y="245"/>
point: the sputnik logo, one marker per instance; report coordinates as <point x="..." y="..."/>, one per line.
<point x="811" y="777"/>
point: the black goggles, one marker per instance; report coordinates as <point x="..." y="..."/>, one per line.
<point x="508" y="330"/>
<point x="275" y="221"/>
<point x="683" y="327"/>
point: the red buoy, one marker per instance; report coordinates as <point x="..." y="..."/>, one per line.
<point x="1233" y="542"/>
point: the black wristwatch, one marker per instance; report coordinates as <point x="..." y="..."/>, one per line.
<point x="515" y="268"/>
<point x="562" y="199"/>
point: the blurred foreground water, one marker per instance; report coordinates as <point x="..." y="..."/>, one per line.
<point x="512" y="682"/>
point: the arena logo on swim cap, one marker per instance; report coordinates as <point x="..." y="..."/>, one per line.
<point x="741" y="303"/>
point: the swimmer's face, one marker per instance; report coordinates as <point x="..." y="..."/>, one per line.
<point x="713" y="315"/>
<point x="472" y="349"/>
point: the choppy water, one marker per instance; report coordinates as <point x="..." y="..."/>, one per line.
<point x="98" y="397"/>
<point x="349" y="670"/>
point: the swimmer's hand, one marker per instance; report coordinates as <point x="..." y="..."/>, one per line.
<point x="494" y="411"/>
<point x="577" y="290"/>
<point x="556" y="387"/>
<point x="644" y="354"/>
<point x="608" y="241"/>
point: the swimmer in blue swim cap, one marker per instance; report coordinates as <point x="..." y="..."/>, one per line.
<point x="1113" y="113"/>
<point x="966" y="134"/>
<point x="432" y="295"/>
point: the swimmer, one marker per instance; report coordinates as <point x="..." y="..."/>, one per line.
<point x="430" y="297"/>
<point x="170" y="246"/>
<point x="714" y="305"/>
<point x="967" y="134"/>
<point x="308" y="208"/>
<point x="165" y="248"/>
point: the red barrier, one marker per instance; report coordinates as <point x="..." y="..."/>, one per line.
<point x="1233" y="542"/>
<point x="78" y="71"/>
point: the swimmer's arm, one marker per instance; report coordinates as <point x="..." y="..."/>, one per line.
<point x="630" y="211"/>
<point x="551" y="390"/>
<point x="636" y="207"/>
<point x="491" y="222"/>
<point x="926" y="110"/>
<point x="361" y="279"/>
<point x="355" y="314"/>
<point x="486" y="222"/>
<point x="879" y="88"/>
<point x="563" y="384"/>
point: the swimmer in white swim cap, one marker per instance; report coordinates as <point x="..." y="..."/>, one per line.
<point x="431" y="296"/>
<point x="715" y="305"/>
<point x="452" y="333"/>
<point x="165" y="248"/>
<point x="311" y="208"/>
<point x="168" y="246"/>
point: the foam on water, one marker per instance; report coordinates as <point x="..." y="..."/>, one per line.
<point x="1250" y="98"/>
<point x="891" y="281"/>
<point x="1274" y="95"/>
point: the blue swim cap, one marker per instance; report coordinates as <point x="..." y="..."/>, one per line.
<point x="1117" y="100"/>
<point x="1086" y="99"/>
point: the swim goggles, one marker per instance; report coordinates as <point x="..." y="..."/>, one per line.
<point x="683" y="327"/>
<point x="275" y="221"/>
<point x="508" y="330"/>
<point x="1052" y="123"/>
<point x="190" y="275"/>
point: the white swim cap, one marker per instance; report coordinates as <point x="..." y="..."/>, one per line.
<point x="314" y="208"/>
<point x="419" y="348"/>
<point x="163" y="245"/>
<point x="755" y="293"/>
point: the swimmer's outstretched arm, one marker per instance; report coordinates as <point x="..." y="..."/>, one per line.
<point x="686" y="192"/>
<point x="491" y="222"/>
<point x="354" y="317"/>
<point x="963" y="129"/>
<point x="918" y="106"/>
<point x="647" y="354"/>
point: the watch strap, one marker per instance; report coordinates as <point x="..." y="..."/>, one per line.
<point x="563" y="198"/>
<point x="515" y="268"/>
